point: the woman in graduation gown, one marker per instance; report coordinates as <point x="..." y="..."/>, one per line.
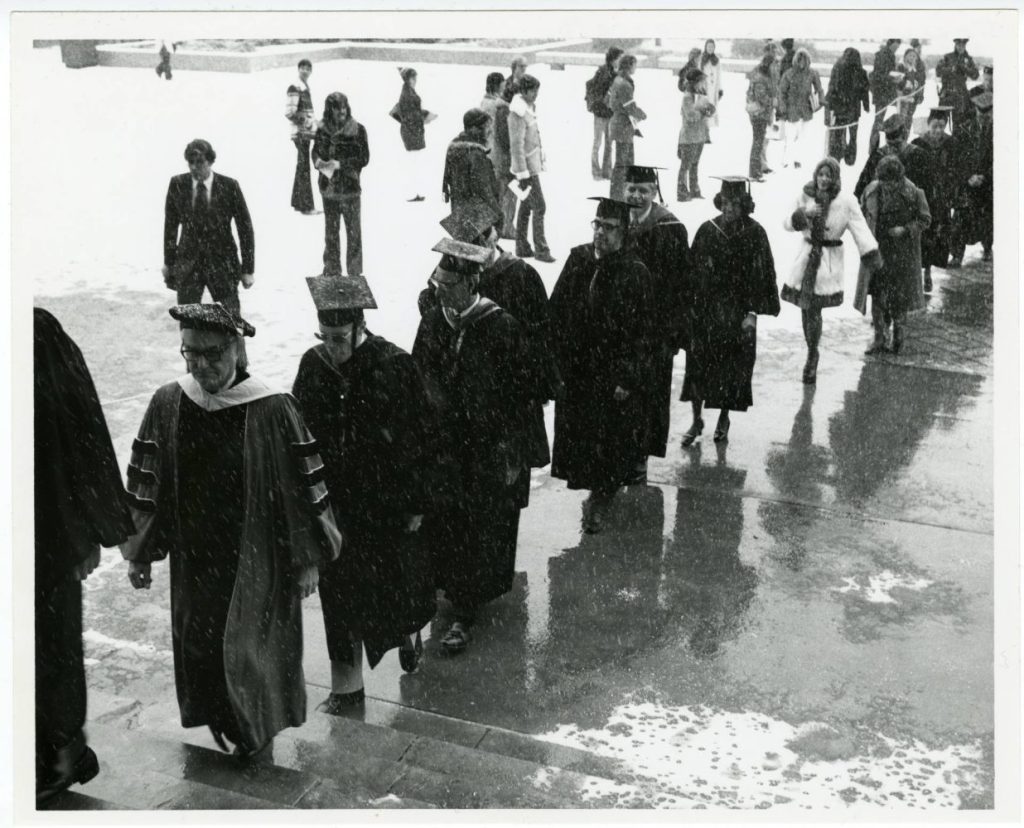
<point x="731" y="281"/>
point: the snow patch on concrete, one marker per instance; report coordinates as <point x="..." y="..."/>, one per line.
<point x="880" y="586"/>
<point x="701" y="757"/>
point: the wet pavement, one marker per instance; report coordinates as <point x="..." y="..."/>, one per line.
<point x="798" y="618"/>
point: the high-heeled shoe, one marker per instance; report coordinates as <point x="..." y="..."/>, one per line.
<point x="722" y="431"/>
<point x="693" y="433"/>
<point x="408" y="657"/>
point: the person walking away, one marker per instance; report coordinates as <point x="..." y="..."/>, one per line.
<point x="165" y="48"/>
<point x="662" y="243"/>
<point x="472" y="356"/>
<point x="732" y="281"/>
<point x="80" y="505"/>
<point x="712" y="69"/>
<point x="409" y="112"/>
<point x="788" y="56"/>
<point x="944" y="178"/>
<point x="759" y="109"/>
<point x="216" y="447"/>
<point x="468" y="174"/>
<point x="204" y="256"/>
<point x="800" y="94"/>
<point x="527" y="155"/>
<point x="884" y="89"/>
<point x="500" y="152"/>
<point x="597" y="92"/>
<point x="340" y="151"/>
<point x="697" y="110"/>
<point x="363" y="398"/>
<point x="601" y="315"/>
<point x="973" y="216"/>
<point x="897" y="213"/>
<point x="513" y="81"/>
<point x="622" y="127"/>
<point x="953" y="72"/>
<point x="847" y="94"/>
<point x="299" y="112"/>
<point x="823" y="213"/>
<point x="913" y="73"/>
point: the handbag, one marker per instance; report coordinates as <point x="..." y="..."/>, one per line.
<point x="394" y="113"/>
<point x="814" y="100"/>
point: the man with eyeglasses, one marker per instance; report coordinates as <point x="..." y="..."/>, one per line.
<point x="601" y="317"/>
<point x="364" y="399"/>
<point x="226" y="480"/>
<point x="472" y="355"/>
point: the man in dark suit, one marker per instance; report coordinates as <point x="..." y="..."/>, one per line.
<point x="205" y="254"/>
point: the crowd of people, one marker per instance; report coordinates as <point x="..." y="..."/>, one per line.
<point x="385" y="476"/>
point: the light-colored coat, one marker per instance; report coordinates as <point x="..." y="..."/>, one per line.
<point x="623" y="107"/>
<point x="844" y="214"/>
<point x="695" y="123"/>
<point x="712" y="84"/>
<point x="525" y="148"/>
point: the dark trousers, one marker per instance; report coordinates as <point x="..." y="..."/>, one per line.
<point x="302" y="187"/>
<point x="623" y="159"/>
<point x="759" y="126"/>
<point x="533" y="204"/>
<point x="842" y="143"/>
<point x="348" y="208"/>
<point x="876" y="128"/>
<point x="689" y="155"/>
<point x="223" y="288"/>
<point x="164" y="66"/>
<point x="508" y="203"/>
<point x="60" y="671"/>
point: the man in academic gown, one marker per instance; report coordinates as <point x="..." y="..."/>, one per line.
<point x="80" y="505"/>
<point x="973" y="215"/>
<point x="914" y="159"/>
<point x="944" y="177"/>
<point x="601" y="319"/>
<point x="473" y="357"/>
<point x="364" y="400"/>
<point x="226" y="480"/>
<point x="661" y="241"/>
<point x="516" y="287"/>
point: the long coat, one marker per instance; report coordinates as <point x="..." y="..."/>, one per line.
<point x="945" y="178"/>
<point x="953" y="71"/>
<point x="760" y="90"/>
<point x="468" y="177"/>
<point x="898" y="285"/>
<point x="713" y="87"/>
<point x="662" y="244"/>
<point x="411" y="117"/>
<point x="497" y="138"/>
<point x="601" y="316"/>
<point x="374" y="425"/>
<point x="844" y="215"/>
<point x="916" y="165"/>
<point x="795" y="92"/>
<point x="622" y="105"/>
<point x="525" y="149"/>
<point x="732" y="273"/>
<point x="974" y="206"/>
<point x="848" y="88"/>
<point x="477" y="381"/>
<point x="348" y="146"/>
<point x="211" y="245"/>
<point x="262" y="639"/>
<point x="515" y="286"/>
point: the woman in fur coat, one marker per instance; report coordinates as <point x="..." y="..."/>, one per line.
<point x="823" y="214"/>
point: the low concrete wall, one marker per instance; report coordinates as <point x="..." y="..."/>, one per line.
<point x="143" y="55"/>
<point x="587" y="59"/>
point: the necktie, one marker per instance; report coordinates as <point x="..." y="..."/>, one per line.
<point x="202" y="198"/>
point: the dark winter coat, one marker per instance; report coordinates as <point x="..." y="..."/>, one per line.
<point x="916" y="166"/>
<point x="953" y="71"/>
<point x="795" y="92"/>
<point x="760" y="90"/>
<point x="498" y="140"/>
<point x="601" y="316"/>
<point x="350" y="147"/>
<point x="974" y="206"/>
<point x="848" y="88"/>
<point x="602" y="83"/>
<point x="884" y="88"/>
<point x="732" y="273"/>
<point x="469" y="178"/>
<point x="411" y="116"/>
<point x="374" y="426"/>
<point x="945" y="178"/>
<point x="662" y="244"/>
<point x="512" y="284"/>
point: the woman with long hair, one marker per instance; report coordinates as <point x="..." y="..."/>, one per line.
<point x="914" y="73"/>
<point x="410" y="113"/>
<point x="693" y="135"/>
<point x="822" y="213"/>
<point x="712" y="69"/>
<point x="796" y="89"/>
<point x="760" y="100"/>
<point x="848" y="92"/>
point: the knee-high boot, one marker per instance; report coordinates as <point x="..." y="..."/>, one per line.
<point x="881" y="328"/>
<point x="812" y="336"/>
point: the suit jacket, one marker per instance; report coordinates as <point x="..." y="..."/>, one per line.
<point x="209" y="244"/>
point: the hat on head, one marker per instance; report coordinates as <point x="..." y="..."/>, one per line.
<point x="475" y="118"/>
<point x="211" y="317"/>
<point x="939" y="113"/>
<point x="960" y="39"/>
<point x="470" y="220"/>
<point x="458" y="258"/>
<point x="636" y="174"/>
<point x="733" y="186"/>
<point x="894" y="124"/>
<point x="611" y="208"/>
<point x="340" y="300"/>
<point x="983" y="102"/>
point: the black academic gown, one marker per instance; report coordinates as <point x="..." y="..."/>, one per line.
<point x="944" y="178"/>
<point x="512" y="284"/>
<point x="733" y="273"/>
<point x="477" y="380"/>
<point x="662" y="244"/>
<point x="373" y="422"/>
<point x="916" y="165"/>
<point x="601" y="321"/>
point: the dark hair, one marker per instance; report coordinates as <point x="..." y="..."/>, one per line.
<point x="519" y="60"/>
<point x="627" y="60"/>
<point x="332" y="102"/>
<point x="202" y="147"/>
<point x="890" y="168"/>
<point x="406" y="72"/>
<point x="611" y="55"/>
<point x="305" y="62"/>
<point x="528" y="82"/>
<point x="745" y="201"/>
<point x="494" y="82"/>
<point x="336" y="317"/>
<point x="707" y="57"/>
<point x="787" y="43"/>
<point x="892" y="40"/>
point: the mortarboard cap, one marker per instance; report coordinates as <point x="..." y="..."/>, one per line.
<point x="469" y="220"/>
<point x="940" y="113"/>
<point x="340" y="299"/>
<point x="457" y="259"/>
<point x="960" y="39"/>
<point x="983" y="101"/>
<point x="611" y="208"/>
<point x="211" y="317"/>
<point x="733" y="185"/>
<point x="636" y="174"/>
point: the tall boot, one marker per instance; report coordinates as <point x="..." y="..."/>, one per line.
<point x="812" y="336"/>
<point x="897" y="332"/>
<point x="879" y="324"/>
<point x="928" y="279"/>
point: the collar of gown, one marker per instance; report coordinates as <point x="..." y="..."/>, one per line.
<point x="247" y="391"/>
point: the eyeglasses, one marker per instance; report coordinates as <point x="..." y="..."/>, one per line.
<point x="597" y="224"/>
<point x="211" y="355"/>
<point x="333" y="339"/>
